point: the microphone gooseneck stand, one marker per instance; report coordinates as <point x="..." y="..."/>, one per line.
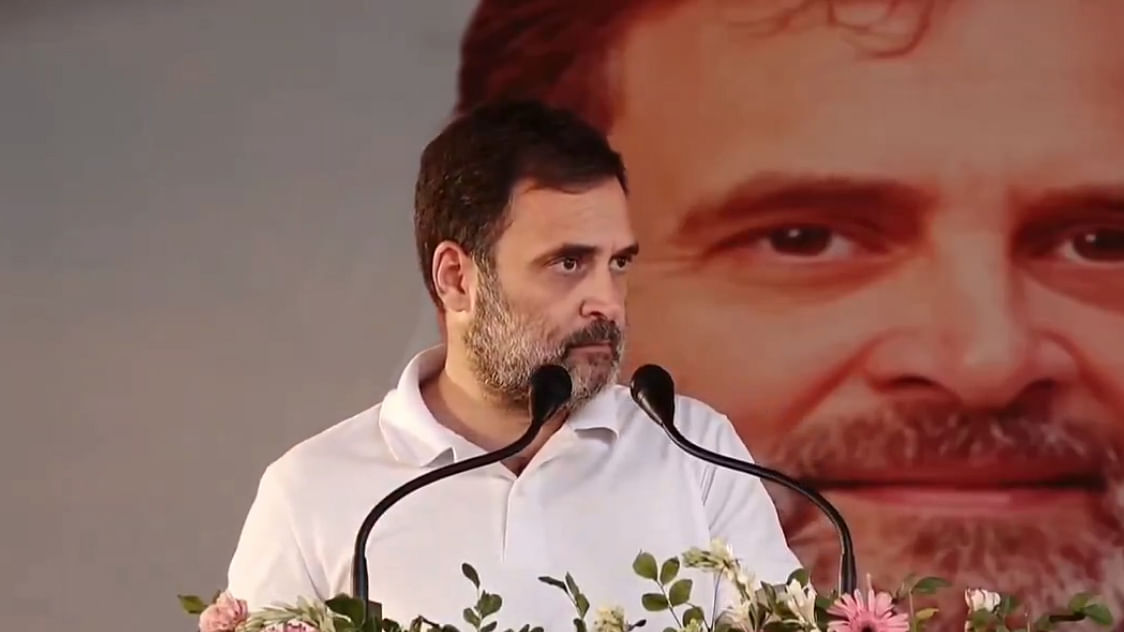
<point x="550" y="390"/>
<point x="654" y="392"/>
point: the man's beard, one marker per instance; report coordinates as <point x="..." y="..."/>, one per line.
<point x="1042" y="556"/>
<point x="506" y="346"/>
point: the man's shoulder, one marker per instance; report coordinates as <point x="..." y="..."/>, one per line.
<point x="332" y="455"/>
<point x="696" y="419"/>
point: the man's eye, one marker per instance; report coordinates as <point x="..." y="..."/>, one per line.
<point x="1097" y="245"/>
<point x="621" y="263"/>
<point x="802" y="242"/>
<point x="567" y="264"/>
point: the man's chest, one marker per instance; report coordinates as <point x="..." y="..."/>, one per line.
<point x="515" y="531"/>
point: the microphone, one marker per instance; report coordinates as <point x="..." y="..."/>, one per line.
<point x="550" y="390"/>
<point x="653" y="390"/>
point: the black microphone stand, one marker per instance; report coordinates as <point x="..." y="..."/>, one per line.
<point x="551" y="388"/>
<point x="848" y="576"/>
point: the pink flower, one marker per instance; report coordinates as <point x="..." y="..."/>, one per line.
<point x="225" y="615"/>
<point x="875" y="614"/>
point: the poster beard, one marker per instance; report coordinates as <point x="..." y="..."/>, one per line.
<point x="1043" y="554"/>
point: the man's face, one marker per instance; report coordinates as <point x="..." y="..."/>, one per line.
<point x="901" y="276"/>
<point x="554" y="292"/>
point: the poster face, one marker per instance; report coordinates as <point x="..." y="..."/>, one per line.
<point x="887" y="239"/>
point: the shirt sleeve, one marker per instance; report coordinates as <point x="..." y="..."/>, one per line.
<point x="269" y="566"/>
<point x="741" y="512"/>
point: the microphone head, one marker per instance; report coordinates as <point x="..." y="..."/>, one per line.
<point x="654" y="391"/>
<point x="551" y="388"/>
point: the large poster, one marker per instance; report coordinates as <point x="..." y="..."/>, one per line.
<point x="887" y="239"/>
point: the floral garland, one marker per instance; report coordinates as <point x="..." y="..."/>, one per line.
<point x="790" y="607"/>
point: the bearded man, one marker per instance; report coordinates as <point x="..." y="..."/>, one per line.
<point x="524" y="241"/>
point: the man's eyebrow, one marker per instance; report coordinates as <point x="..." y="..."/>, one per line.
<point x="583" y="251"/>
<point x="630" y="251"/>
<point x="781" y="191"/>
<point x="1084" y="197"/>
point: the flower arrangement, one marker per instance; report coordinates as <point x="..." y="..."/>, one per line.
<point x="790" y="607"/>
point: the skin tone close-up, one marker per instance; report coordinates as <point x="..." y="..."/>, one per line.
<point x="887" y="239"/>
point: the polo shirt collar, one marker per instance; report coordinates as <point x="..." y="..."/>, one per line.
<point x="415" y="436"/>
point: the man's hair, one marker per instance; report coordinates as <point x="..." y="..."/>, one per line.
<point x="560" y="51"/>
<point x="468" y="173"/>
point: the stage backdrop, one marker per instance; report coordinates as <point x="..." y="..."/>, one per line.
<point x="885" y="237"/>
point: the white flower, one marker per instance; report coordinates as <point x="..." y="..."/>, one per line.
<point x="748" y="584"/>
<point x="980" y="599"/>
<point x="719" y="556"/>
<point x="609" y="620"/>
<point x="801" y="600"/>
<point x="720" y="560"/>
<point x="739" y="615"/>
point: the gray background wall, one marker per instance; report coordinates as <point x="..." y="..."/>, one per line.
<point x="202" y="210"/>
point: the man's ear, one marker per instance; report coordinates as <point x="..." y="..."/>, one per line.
<point x="454" y="275"/>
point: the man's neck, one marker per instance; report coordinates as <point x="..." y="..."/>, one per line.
<point x="460" y="404"/>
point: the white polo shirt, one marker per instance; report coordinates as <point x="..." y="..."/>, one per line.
<point x="604" y="487"/>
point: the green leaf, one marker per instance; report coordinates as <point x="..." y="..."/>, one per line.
<point x="800" y="575"/>
<point x="579" y="625"/>
<point x="770" y="593"/>
<point x="654" y="602"/>
<point x="572" y="585"/>
<point x="449" y="628"/>
<point x="582" y="604"/>
<point x="526" y="628"/>
<point x="694" y="613"/>
<point x="670" y="630"/>
<point x="929" y="585"/>
<point x="489" y="628"/>
<point x="471" y="617"/>
<point x="1098" y="613"/>
<point x="537" y="629"/>
<point x="1079" y="601"/>
<point x="471" y="574"/>
<point x="680" y="592"/>
<point x="645" y="566"/>
<point x="925" y="614"/>
<point x="489" y="604"/>
<point x="374" y="615"/>
<point x="981" y="618"/>
<point x="669" y="570"/>
<point x="192" y="604"/>
<point x="347" y="606"/>
<point x="557" y="583"/>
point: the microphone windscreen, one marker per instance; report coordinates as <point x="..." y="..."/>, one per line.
<point x="551" y="388"/>
<point x="654" y="390"/>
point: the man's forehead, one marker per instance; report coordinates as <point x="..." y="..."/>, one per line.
<point x="1003" y="90"/>
<point x="541" y="217"/>
<point x="541" y="209"/>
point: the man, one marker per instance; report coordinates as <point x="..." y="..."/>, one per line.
<point x="524" y="241"/>
<point x="888" y="239"/>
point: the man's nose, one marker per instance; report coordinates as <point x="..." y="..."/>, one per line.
<point x="970" y="333"/>
<point x="604" y="298"/>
